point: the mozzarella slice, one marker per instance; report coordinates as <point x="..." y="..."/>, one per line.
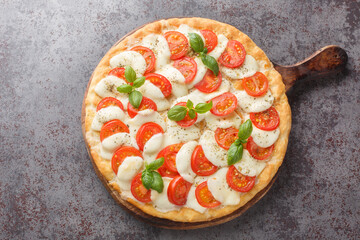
<point x="107" y="87"/>
<point x="249" y="166"/>
<point x="154" y="143"/>
<point x="158" y="44"/>
<point x="201" y="70"/>
<point x="220" y="189"/>
<point x="213" y="152"/>
<point x="129" y="58"/>
<point x="249" y="68"/>
<point x="231" y="120"/>
<point x="183" y="161"/>
<point x="185" y="29"/>
<point x="220" y="47"/>
<point x="177" y="134"/>
<point x="145" y="116"/>
<point x="249" y="103"/>
<point x="161" y="201"/>
<point x="116" y="140"/>
<point x="127" y="171"/>
<point x="192" y="201"/>
<point x="151" y="91"/>
<point x="106" y="114"/>
<point x="176" y="78"/>
<point x="263" y="138"/>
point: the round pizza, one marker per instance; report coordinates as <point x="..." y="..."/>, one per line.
<point x="186" y="119"/>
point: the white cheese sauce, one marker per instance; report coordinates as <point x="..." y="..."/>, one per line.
<point x="249" y="166"/>
<point x="247" y="69"/>
<point x="183" y="161"/>
<point x="129" y="58"/>
<point x="106" y="114"/>
<point x="127" y="171"/>
<point x="213" y="152"/>
<point x="248" y="103"/>
<point x="158" y="44"/>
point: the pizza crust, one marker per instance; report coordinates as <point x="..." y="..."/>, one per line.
<point x="275" y="84"/>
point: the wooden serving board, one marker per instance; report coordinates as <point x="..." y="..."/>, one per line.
<point x="327" y="60"/>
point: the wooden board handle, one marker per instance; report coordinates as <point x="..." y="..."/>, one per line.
<point x="328" y="60"/>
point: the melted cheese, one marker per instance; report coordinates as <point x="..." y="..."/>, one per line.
<point x="183" y="161"/>
<point x="129" y="58"/>
<point x="158" y="44"/>
<point x="116" y="140"/>
<point x="106" y="114"/>
<point x="192" y="201"/>
<point x="151" y="91"/>
<point x="231" y="120"/>
<point x="263" y="138"/>
<point x="249" y="103"/>
<point x="154" y="143"/>
<point x="247" y="69"/>
<point x="176" y="78"/>
<point x="220" y="47"/>
<point x="250" y="166"/>
<point x="213" y="152"/>
<point x="160" y="200"/>
<point x="107" y="87"/>
<point x="127" y="171"/>
<point x="201" y="70"/>
<point x="177" y="134"/>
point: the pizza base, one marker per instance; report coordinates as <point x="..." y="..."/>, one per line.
<point x="276" y="86"/>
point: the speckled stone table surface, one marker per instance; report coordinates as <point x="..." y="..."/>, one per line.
<point x="48" y="188"/>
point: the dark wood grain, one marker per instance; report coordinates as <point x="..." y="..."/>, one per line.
<point x="327" y="60"/>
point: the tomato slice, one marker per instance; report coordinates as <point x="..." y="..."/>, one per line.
<point x="112" y="127"/>
<point x="211" y="39"/>
<point x="148" y="55"/>
<point x="109" y="101"/>
<point x="178" y="191"/>
<point x="146" y="103"/>
<point x="139" y="191"/>
<point x="256" y="85"/>
<point x="233" y="55"/>
<point x="164" y="172"/>
<point x="238" y="181"/>
<point x="200" y="164"/>
<point x="120" y="155"/>
<point x="204" y="196"/>
<point x="267" y="120"/>
<point x="178" y="44"/>
<point x="224" y="104"/>
<point x="169" y="154"/>
<point x="145" y="132"/>
<point x="209" y="83"/>
<point x="187" y="121"/>
<point x="118" y="72"/>
<point x="226" y="136"/>
<point x="257" y="152"/>
<point x="161" y="82"/>
<point x="188" y="68"/>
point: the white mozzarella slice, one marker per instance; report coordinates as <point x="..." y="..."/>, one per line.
<point x="213" y="152"/>
<point x="154" y="143"/>
<point x="161" y="201"/>
<point x="249" y="103"/>
<point x="129" y="58"/>
<point x="177" y="80"/>
<point x="200" y="73"/>
<point x="177" y="134"/>
<point x="145" y="116"/>
<point x="127" y="171"/>
<point x="220" y="47"/>
<point x="160" y="47"/>
<point x="192" y="201"/>
<point x="249" y="68"/>
<point x="220" y="189"/>
<point x="151" y="91"/>
<point x="231" y="120"/>
<point x="106" y="114"/>
<point x="263" y="138"/>
<point x="116" y="140"/>
<point x="183" y="161"/>
<point x="185" y="29"/>
<point x="107" y="87"/>
<point x="249" y="166"/>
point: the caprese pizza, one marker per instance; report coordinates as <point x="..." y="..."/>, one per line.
<point x="187" y="119"/>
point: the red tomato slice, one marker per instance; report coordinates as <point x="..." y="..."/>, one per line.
<point x="209" y="83"/>
<point x="139" y="191"/>
<point x="267" y="120"/>
<point x="204" y="196"/>
<point x="164" y="172"/>
<point x="109" y="101"/>
<point x="118" y="72"/>
<point x="226" y="137"/>
<point x="145" y="132"/>
<point x="187" y="121"/>
<point x="200" y="164"/>
<point x="256" y="85"/>
<point x="146" y="103"/>
<point x="238" y="181"/>
<point x="169" y="154"/>
<point x="233" y="55"/>
<point x="211" y="39"/>
<point x="148" y="56"/>
<point x="257" y="152"/>
<point x="178" y="191"/>
<point x="161" y="82"/>
<point x="112" y="127"/>
<point x="224" y="104"/>
<point x="120" y="155"/>
<point x="178" y="44"/>
<point x="188" y="68"/>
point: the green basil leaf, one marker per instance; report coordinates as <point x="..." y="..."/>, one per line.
<point x="130" y="74"/>
<point x="147" y="178"/>
<point x="124" y="88"/>
<point x="139" y="82"/>
<point x="177" y="113"/>
<point x="157" y="183"/>
<point x="205" y="50"/>
<point x="196" y="42"/>
<point x="135" y="98"/>
<point x="234" y="154"/>
<point x="155" y="164"/>
<point x="192" y="113"/>
<point x="238" y="142"/>
<point x="203" y="107"/>
<point x="245" y="130"/>
<point x="189" y="104"/>
<point x="210" y="63"/>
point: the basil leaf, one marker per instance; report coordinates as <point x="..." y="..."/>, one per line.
<point x="210" y="63"/>
<point x="196" y="42"/>
<point x="189" y="104"/>
<point x="238" y="142"/>
<point x="147" y="178"/>
<point x="139" y="82"/>
<point x="155" y="164"/>
<point x="203" y="107"/>
<point x="124" y="88"/>
<point x="135" y="98"/>
<point x="157" y="183"/>
<point x="130" y="74"/>
<point x="245" y="130"/>
<point x="234" y="154"/>
<point x="192" y="113"/>
<point x="177" y="113"/>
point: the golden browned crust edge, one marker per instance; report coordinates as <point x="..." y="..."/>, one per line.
<point x="276" y="85"/>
